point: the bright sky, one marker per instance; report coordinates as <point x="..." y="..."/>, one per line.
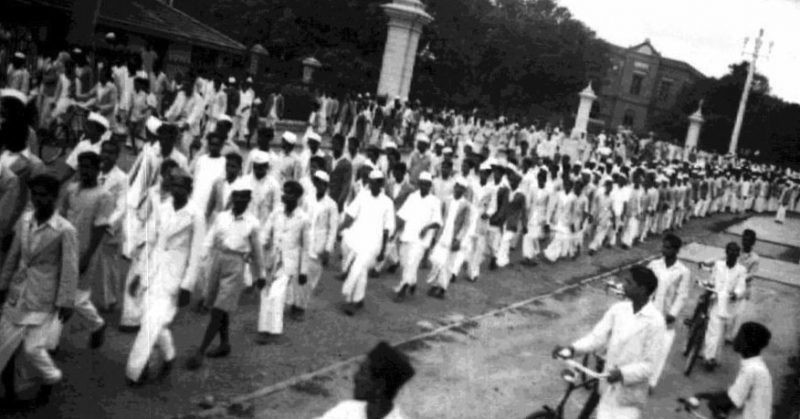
<point x="708" y="34"/>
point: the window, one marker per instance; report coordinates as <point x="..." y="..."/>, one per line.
<point x="628" y="119"/>
<point x="664" y="89"/>
<point x="636" y="84"/>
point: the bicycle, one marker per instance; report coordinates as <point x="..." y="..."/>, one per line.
<point x="578" y="376"/>
<point x="691" y="406"/>
<point x="64" y="133"/>
<point x="697" y="327"/>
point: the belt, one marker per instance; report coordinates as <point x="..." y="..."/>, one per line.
<point x="226" y="251"/>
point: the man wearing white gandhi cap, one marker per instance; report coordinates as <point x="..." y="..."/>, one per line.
<point x="93" y="137"/>
<point x="232" y="243"/>
<point x="369" y="220"/>
<point x="286" y="237"/>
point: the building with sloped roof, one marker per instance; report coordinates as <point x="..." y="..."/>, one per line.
<point x="180" y="40"/>
<point x="639" y="84"/>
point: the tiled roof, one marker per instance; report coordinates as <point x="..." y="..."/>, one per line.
<point x="152" y="17"/>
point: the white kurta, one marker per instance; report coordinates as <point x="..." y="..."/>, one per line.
<point x="632" y="342"/>
<point x="726" y="281"/>
<point x="751" y="392"/>
<point x="207" y="170"/>
<point x="669" y="298"/>
<point x="417" y="212"/>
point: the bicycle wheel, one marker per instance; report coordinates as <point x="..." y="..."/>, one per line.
<point x="695" y="344"/>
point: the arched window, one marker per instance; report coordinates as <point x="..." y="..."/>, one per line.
<point x="628" y="118"/>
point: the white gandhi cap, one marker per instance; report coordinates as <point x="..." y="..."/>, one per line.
<point x="289" y="137"/>
<point x="376" y="174"/>
<point x="425" y="177"/>
<point x="100" y="119"/>
<point x="321" y="175"/>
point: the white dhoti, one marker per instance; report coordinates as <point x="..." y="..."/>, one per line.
<point x="273" y="301"/>
<point x="780" y="214"/>
<point x="504" y="249"/>
<point x="645" y="227"/>
<point x="301" y="297"/>
<point x="631" y="231"/>
<point x="154" y="333"/>
<point x="357" y="265"/>
<point x="442" y="261"/>
<point x="715" y="333"/>
<point x="530" y="241"/>
<point x="476" y="255"/>
<point x="411" y="254"/>
<point x="34" y="339"/>
<point x="666" y="219"/>
<point x="494" y="235"/>
<point x="559" y="247"/>
<point x="603" y="230"/>
<point x="610" y="409"/>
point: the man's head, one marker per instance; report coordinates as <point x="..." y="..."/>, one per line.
<point x="241" y="194"/>
<point x="732" y="251"/>
<point x="640" y="284"/>
<point x="180" y="185"/>
<point x="752" y="339"/>
<point x="214" y="144"/>
<point x="288" y="141"/>
<point x="375" y="182"/>
<point x="96" y="125"/>
<point x="167" y="136"/>
<point x="467" y="166"/>
<point x="313" y="140"/>
<point x="382" y="374"/>
<point x="44" y="193"/>
<point x="352" y="145"/>
<point x="292" y="191"/>
<point x="460" y="188"/>
<point x="109" y="152"/>
<point x="337" y="145"/>
<point x="233" y="166"/>
<point x="167" y="166"/>
<point x="320" y="181"/>
<point x="399" y="172"/>
<point x="260" y="160"/>
<point x="88" y="168"/>
<point x="423" y="143"/>
<point x="748" y="239"/>
<point x="447" y="169"/>
<point x="670" y="246"/>
<point x="424" y="183"/>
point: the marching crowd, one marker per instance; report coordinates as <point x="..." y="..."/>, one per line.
<point x="201" y="221"/>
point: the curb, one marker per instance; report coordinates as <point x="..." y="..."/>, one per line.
<point x="274" y="388"/>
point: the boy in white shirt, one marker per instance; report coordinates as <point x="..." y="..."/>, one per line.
<point x="750" y="396"/>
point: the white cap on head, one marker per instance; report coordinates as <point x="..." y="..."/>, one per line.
<point x="16" y="94"/>
<point x="425" y="177"/>
<point x="423" y="138"/>
<point x="231" y="79"/>
<point x="153" y="124"/>
<point x="141" y="74"/>
<point x="260" y="157"/>
<point x="447" y="150"/>
<point x="390" y="144"/>
<point x="313" y="136"/>
<point x="485" y="166"/>
<point x="376" y="174"/>
<point x="461" y="181"/>
<point x="439" y="141"/>
<point x="242" y="184"/>
<point x="289" y="137"/>
<point x="225" y="117"/>
<point x="19" y="55"/>
<point x="469" y="144"/>
<point x="249" y="79"/>
<point x="321" y="175"/>
<point x="100" y="119"/>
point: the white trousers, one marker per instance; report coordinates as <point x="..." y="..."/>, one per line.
<point x="530" y="242"/>
<point x="411" y="255"/>
<point x="504" y="249"/>
<point x="86" y="310"/>
<point x="273" y="301"/>
<point x="476" y="255"/>
<point x="154" y="333"/>
<point x="665" y="348"/>
<point x="493" y="238"/>
<point x="645" y="227"/>
<point x="631" y="231"/>
<point x="560" y="245"/>
<point x="302" y="295"/>
<point x="780" y="215"/>
<point x="34" y="339"/>
<point x="715" y="333"/>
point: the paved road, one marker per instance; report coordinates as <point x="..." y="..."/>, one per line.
<point x="94" y="384"/>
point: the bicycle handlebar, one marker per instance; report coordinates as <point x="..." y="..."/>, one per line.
<point x="575" y="365"/>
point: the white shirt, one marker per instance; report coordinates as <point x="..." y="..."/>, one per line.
<point x="371" y="216"/>
<point x="207" y="170"/>
<point x="633" y="344"/>
<point x="418" y="212"/>
<point x="232" y="233"/>
<point x="619" y="196"/>
<point x="727" y="280"/>
<point x="752" y="390"/>
<point x="355" y="409"/>
<point x="673" y="286"/>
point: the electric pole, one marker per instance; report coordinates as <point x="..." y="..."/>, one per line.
<point x="751" y="69"/>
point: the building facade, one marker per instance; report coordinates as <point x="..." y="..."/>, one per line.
<point x="640" y="83"/>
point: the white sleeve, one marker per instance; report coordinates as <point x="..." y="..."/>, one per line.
<point x="741" y="388"/>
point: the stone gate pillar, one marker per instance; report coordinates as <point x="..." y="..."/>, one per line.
<point x="584" y="109"/>
<point x="406" y="20"/>
<point x="693" y="133"/>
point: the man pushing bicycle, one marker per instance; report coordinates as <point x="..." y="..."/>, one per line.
<point x="631" y="332"/>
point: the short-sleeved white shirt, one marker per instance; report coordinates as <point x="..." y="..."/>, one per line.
<point x="371" y="216"/>
<point x="752" y="390"/>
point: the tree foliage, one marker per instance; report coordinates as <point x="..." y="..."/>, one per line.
<point x="516" y="57"/>
<point x="771" y="126"/>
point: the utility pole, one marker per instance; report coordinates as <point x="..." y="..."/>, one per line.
<point x="751" y="69"/>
